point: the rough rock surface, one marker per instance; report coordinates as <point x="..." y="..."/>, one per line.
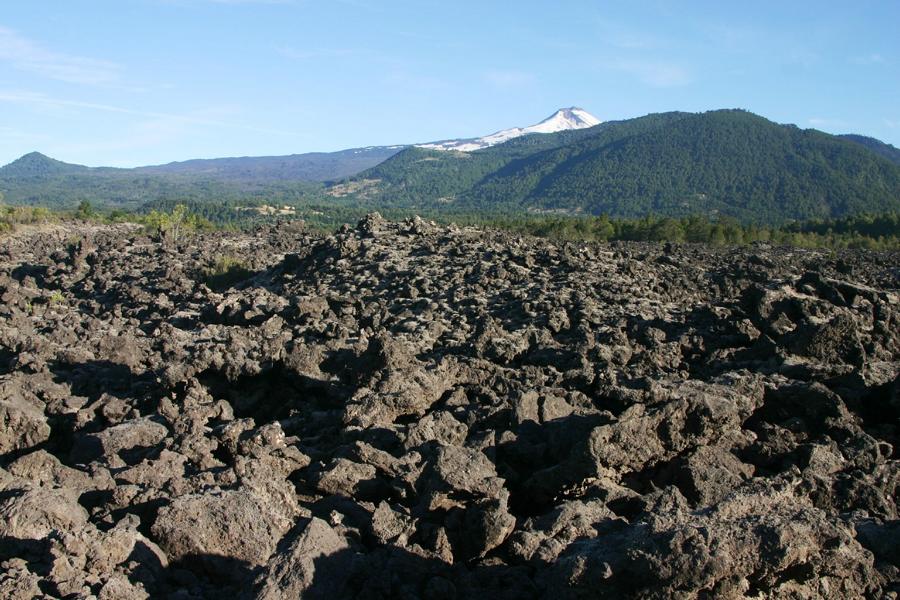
<point x="405" y="410"/>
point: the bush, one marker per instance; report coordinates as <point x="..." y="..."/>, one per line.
<point x="85" y="211"/>
<point x="10" y="216"/>
<point x="224" y="273"/>
<point x="175" y="225"/>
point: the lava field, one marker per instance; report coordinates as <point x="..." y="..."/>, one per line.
<point x="410" y="410"/>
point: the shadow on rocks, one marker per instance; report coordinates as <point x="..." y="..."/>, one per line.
<point x="205" y="576"/>
<point x="94" y="378"/>
<point x="7" y="357"/>
<point x="315" y="562"/>
<point x="24" y="271"/>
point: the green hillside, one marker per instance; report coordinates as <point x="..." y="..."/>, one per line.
<point x="125" y="188"/>
<point x="36" y="165"/>
<point x="312" y="166"/>
<point x="36" y="179"/>
<point x="727" y="162"/>
<point x="877" y="146"/>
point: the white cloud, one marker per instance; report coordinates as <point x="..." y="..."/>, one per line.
<point x="825" y="122"/>
<point x="892" y="123"/>
<point x="619" y="35"/>
<point x="252" y="1"/>
<point x="733" y="37"/>
<point x="505" y="79"/>
<point x="651" y="72"/>
<point x="404" y="79"/>
<point x="869" y="59"/>
<point x="11" y="134"/>
<point x="27" y="55"/>
<point x="140" y="130"/>
<point x="231" y="2"/>
<point x="786" y="48"/>
<point x="318" y="53"/>
<point x="209" y="117"/>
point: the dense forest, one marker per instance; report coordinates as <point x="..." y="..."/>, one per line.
<point x="730" y="163"/>
<point x="877" y="146"/>
<point x="875" y="232"/>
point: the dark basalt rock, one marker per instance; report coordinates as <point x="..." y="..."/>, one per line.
<point x="418" y="411"/>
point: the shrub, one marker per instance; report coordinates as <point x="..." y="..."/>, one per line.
<point x="175" y="225"/>
<point x="224" y="273"/>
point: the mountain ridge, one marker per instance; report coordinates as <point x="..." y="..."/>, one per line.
<point x="884" y="149"/>
<point x="307" y="166"/>
<point x="727" y="162"/>
<point x="564" y="119"/>
<point x="36" y="164"/>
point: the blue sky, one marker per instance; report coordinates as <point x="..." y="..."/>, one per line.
<point x="131" y="82"/>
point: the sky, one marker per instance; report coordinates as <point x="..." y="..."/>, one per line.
<point x="136" y="82"/>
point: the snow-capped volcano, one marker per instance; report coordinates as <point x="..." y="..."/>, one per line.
<point x="562" y="120"/>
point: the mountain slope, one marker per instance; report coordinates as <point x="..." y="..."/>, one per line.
<point x="35" y="164"/>
<point x="732" y="162"/>
<point x="40" y="180"/>
<point x="313" y="166"/>
<point x="888" y="151"/>
<point x="729" y="162"/>
<point x="420" y="176"/>
<point x="726" y="162"/>
<point x="565" y="119"/>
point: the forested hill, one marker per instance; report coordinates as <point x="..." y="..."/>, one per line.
<point x="418" y="176"/>
<point x="312" y="166"/>
<point x="40" y="180"/>
<point x="36" y="165"/>
<point x="720" y="163"/>
<point x="727" y="162"/>
<point x="886" y="150"/>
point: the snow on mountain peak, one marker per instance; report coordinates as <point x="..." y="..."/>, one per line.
<point x="562" y="120"/>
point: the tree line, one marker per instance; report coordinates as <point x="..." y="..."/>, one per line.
<point x="874" y="232"/>
<point x="175" y="220"/>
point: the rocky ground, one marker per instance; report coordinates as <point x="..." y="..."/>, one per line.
<point x="403" y="410"/>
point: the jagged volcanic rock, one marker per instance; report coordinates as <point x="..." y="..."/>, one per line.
<point x="418" y="411"/>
